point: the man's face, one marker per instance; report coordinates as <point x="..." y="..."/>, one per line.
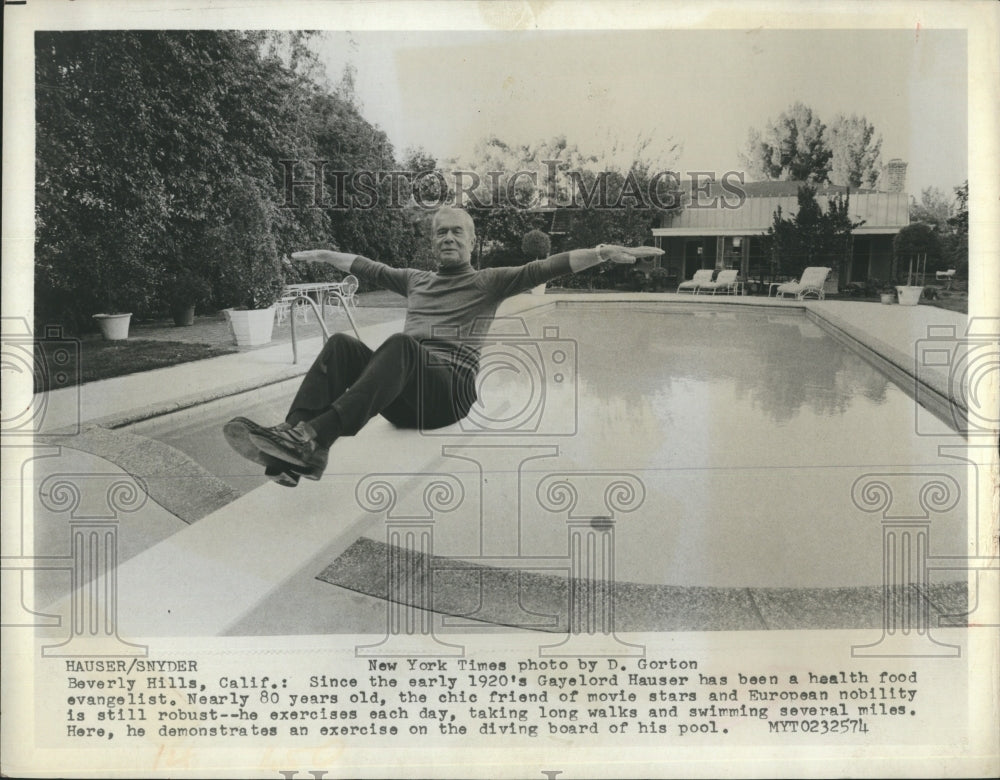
<point x="453" y="239"/>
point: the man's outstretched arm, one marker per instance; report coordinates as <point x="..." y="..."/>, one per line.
<point x="342" y="261"/>
<point x="581" y="259"/>
<point x="378" y="274"/>
<point x="509" y="281"/>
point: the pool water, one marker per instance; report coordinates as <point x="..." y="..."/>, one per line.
<point x="745" y="427"/>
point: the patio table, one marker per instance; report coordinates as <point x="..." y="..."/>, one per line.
<point x="305" y="288"/>
<point x="322" y="291"/>
<point x="317" y="291"/>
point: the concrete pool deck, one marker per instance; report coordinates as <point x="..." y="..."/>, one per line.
<point x="211" y="578"/>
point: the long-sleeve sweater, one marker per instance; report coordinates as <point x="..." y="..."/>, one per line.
<point x="457" y="306"/>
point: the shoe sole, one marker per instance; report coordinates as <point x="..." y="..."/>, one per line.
<point x="237" y="433"/>
<point x="266" y="446"/>
<point x="287" y="479"/>
<point x="297" y="466"/>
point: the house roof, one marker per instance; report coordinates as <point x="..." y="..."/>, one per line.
<point x="726" y="215"/>
<point x="775" y="189"/>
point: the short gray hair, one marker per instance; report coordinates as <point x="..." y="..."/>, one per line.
<point x="466" y="217"/>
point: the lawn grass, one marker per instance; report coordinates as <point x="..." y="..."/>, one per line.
<point x="104" y="359"/>
<point x="959" y="303"/>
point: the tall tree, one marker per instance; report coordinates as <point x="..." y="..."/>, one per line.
<point x="137" y="132"/>
<point x="934" y="208"/>
<point x="918" y="244"/>
<point x="615" y="207"/>
<point x="956" y="241"/>
<point x="856" y="151"/>
<point x="153" y="145"/>
<point x="813" y="236"/>
<point x="793" y="147"/>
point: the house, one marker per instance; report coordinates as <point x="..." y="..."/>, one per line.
<point x="719" y="229"/>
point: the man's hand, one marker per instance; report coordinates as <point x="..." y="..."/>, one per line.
<point x="626" y="254"/>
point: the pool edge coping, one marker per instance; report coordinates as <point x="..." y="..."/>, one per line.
<point x="901" y="367"/>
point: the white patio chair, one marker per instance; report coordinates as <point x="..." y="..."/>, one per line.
<point x="725" y="282"/>
<point x="810" y="283"/>
<point x="702" y="276"/>
<point x="283" y="308"/>
<point x="348" y="287"/>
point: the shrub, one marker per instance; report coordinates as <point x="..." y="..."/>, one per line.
<point x="536" y="244"/>
<point x="659" y="277"/>
<point x="638" y="280"/>
<point x="502" y="258"/>
<point x="249" y="281"/>
<point x="180" y="290"/>
<point x="912" y="242"/>
<point x="248" y="270"/>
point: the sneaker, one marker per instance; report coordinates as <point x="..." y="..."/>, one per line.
<point x="319" y="459"/>
<point x="237" y="432"/>
<point x="293" y="445"/>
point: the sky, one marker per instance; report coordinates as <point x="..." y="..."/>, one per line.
<point x="702" y="90"/>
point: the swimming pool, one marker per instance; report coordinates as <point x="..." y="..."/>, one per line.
<point x="744" y="427"/>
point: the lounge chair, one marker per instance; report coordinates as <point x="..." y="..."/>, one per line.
<point x="810" y="283"/>
<point x="725" y="282"/>
<point x="701" y="277"/>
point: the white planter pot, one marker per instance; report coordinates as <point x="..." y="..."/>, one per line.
<point x="250" y="327"/>
<point x="886" y="298"/>
<point x="909" y="295"/>
<point x="114" y="327"/>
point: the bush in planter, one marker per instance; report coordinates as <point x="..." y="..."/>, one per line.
<point x="918" y="243"/>
<point x="250" y="283"/>
<point x="126" y="288"/>
<point x="183" y="292"/>
<point x="245" y="257"/>
<point x="244" y="251"/>
<point x="253" y="285"/>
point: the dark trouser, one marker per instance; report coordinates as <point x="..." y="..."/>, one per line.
<point x="348" y="384"/>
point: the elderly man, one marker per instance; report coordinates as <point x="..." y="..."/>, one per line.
<point x="349" y="383"/>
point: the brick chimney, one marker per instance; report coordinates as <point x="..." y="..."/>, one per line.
<point x="895" y="175"/>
